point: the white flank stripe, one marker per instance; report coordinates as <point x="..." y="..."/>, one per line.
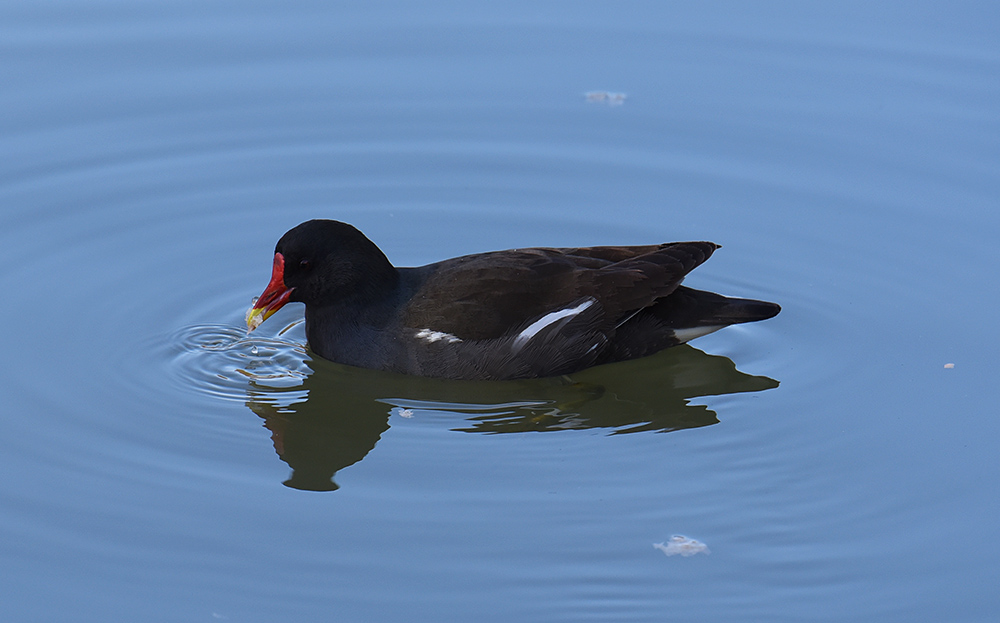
<point x="686" y="335"/>
<point x="436" y="336"/>
<point x="546" y="320"/>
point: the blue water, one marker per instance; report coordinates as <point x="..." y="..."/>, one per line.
<point x="160" y="465"/>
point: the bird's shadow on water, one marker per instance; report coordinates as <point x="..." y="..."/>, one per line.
<point x="337" y="415"/>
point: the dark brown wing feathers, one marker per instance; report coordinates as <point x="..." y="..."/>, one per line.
<point x="484" y="296"/>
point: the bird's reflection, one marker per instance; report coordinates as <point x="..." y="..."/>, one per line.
<point x="339" y="413"/>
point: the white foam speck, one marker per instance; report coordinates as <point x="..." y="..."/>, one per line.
<point x="680" y="544"/>
<point x="605" y="97"/>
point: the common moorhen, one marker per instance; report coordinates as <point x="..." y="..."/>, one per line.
<point x="513" y="314"/>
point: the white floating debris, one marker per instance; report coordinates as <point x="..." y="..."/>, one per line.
<point x="949" y="366"/>
<point x="605" y="97"/>
<point x="407" y="413"/>
<point x="680" y="544"/>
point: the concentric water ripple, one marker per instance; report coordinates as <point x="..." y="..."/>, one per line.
<point x="223" y="361"/>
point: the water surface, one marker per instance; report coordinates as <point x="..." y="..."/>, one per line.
<point x="161" y="465"/>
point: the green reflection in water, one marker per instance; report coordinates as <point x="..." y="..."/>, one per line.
<point x="335" y="418"/>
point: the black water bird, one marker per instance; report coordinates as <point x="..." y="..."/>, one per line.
<point x="520" y="313"/>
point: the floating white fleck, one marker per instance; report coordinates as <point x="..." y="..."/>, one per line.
<point x="949" y="366"/>
<point x="680" y="544"/>
<point x="435" y="336"/>
<point x="606" y="97"/>
<point x="407" y="413"/>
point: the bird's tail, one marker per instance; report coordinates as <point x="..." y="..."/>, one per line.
<point x="687" y="308"/>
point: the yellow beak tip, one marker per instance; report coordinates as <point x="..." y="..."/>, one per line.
<point x="255" y="317"/>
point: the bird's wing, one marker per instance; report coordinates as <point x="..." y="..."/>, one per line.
<point x="488" y="295"/>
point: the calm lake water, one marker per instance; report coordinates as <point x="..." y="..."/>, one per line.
<point x="839" y="462"/>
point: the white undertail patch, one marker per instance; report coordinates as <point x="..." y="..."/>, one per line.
<point x="535" y="327"/>
<point x="686" y="335"/>
<point x="429" y="335"/>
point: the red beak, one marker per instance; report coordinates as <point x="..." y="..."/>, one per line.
<point x="273" y="298"/>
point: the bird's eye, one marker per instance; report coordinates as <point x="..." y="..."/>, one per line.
<point x="305" y="264"/>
